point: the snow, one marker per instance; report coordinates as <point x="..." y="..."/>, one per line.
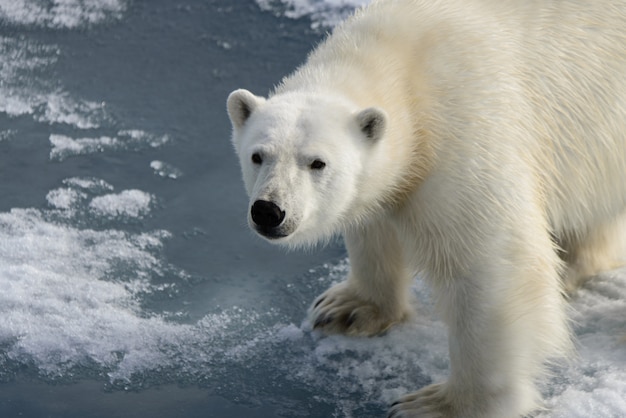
<point x="64" y="146"/>
<point x="129" y="203"/>
<point x="24" y="93"/>
<point x="164" y="169"/>
<point x="60" y="13"/>
<point x="323" y="14"/>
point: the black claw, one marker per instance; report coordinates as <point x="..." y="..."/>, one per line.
<point x="322" y="321"/>
<point x="320" y="300"/>
<point x="350" y="320"/>
<point x="394" y="412"/>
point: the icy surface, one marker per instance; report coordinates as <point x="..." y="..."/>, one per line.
<point x="129" y="203"/>
<point x="73" y="298"/>
<point x="63" y="303"/>
<point x="164" y="169"/>
<point x="64" y="146"/>
<point x="19" y="58"/>
<point x="323" y="14"/>
<point x="60" y="13"/>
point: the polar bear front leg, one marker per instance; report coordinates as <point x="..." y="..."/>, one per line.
<point x="506" y="317"/>
<point x="375" y="296"/>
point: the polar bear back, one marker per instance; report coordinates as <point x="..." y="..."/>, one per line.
<point x="550" y="78"/>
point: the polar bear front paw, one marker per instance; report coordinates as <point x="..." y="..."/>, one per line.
<point x="429" y="402"/>
<point x="340" y="310"/>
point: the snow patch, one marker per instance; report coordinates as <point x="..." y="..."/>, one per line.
<point x="64" y="198"/>
<point x="323" y="14"/>
<point x="166" y="170"/>
<point x="58" y="14"/>
<point x="64" y="146"/>
<point x="128" y="203"/>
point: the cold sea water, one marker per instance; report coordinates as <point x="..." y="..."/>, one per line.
<point x="130" y="285"/>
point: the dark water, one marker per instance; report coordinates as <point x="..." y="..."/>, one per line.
<point x="165" y="68"/>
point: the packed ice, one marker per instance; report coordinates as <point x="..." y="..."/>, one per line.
<point x="163" y="169"/>
<point x="323" y="14"/>
<point x="130" y="203"/>
<point x="64" y="146"/>
<point x="60" y="13"/>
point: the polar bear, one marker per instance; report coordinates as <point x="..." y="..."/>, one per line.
<point x="479" y="144"/>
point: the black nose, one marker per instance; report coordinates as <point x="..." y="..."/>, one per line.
<point x="266" y="214"/>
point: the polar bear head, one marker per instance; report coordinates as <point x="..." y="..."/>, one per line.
<point x="303" y="157"/>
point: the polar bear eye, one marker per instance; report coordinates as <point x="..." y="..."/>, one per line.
<point x="256" y="158"/>
<point x="317" y="165"/>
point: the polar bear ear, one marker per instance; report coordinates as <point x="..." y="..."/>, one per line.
<point x="240" y="104"/>
<point x="372" y="122"/>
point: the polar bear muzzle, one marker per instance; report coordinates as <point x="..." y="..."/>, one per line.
<point x="267" y="216"/>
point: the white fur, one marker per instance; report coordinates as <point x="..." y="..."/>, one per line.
<point x="480" y="143"/>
